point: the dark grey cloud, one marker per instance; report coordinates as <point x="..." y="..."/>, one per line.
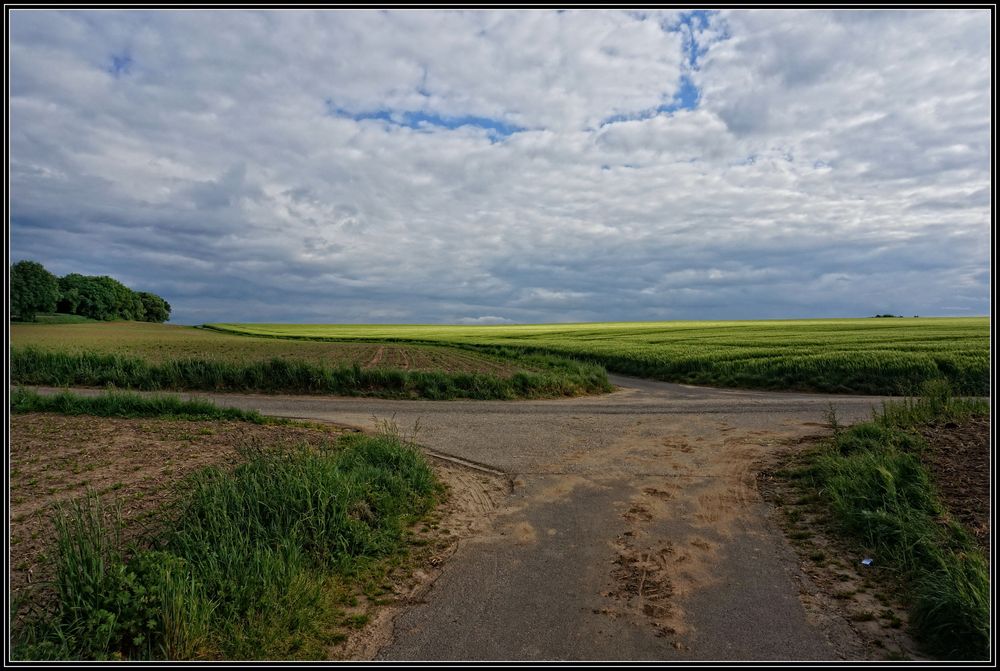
<point x="833" y="163"/>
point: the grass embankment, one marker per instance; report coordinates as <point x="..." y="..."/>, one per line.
<point x="873" y="356"/>
<point x="253" y="562"/>
<point x="126" y="404"/>
<point x="551" y="376"/>
<point x="872" y="478"/>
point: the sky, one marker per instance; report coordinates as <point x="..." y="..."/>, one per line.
<point x="508" y="166"/>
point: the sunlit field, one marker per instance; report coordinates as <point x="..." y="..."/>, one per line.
<point x="884" y="356"/>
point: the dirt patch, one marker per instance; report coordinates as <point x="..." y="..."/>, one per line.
<point x="959" y="460"/>
<point x="642" y="581"/>
<point x="138" y="462"/>
<point x="638" y="513"/>
<point x="658" y="493"/>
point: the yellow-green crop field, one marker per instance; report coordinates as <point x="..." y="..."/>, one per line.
<point x="875" y="355"/>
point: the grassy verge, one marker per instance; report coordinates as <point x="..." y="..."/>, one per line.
<point x="255" y="562"/>
<point x="126" y="404"/>
<point x="556" y="377"/>
<point x="59" y="318"/>
<point x="871" y="477"/>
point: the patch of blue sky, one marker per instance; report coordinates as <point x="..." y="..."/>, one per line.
<point x="686" y="98"/>
<point x="421" y="120"/>
<point x="688" y="24"/>
<point x="121" y="64"/>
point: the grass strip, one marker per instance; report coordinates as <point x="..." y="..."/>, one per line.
<point x="251" y="563"/>
<point x="561" y="377"/>
<point x="126" y="404"/>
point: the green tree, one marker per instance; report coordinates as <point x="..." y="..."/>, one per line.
<point x="155" y="309"/>
<point x="33" y="289"/>
<point x="107" y="299"/>
<point x="100" y="297"/>
<point x="81" y="295"/>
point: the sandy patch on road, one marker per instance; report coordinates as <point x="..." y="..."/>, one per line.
<point x="700" y="486"/>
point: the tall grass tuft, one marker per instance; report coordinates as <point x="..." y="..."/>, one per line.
<point x="935" y="403"/>
<point x="111" y="602"/>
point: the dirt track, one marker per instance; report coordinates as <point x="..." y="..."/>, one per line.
<point x="634" y="530"/>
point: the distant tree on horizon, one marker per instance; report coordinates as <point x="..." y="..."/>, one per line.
<point x="33" y="289"/>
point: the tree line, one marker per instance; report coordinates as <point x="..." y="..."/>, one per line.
<point x="34" y="290"/>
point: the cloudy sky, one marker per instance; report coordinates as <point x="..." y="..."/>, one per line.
<point x="493" y="166"/>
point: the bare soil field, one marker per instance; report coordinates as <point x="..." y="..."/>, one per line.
<point x="959" y="460"/>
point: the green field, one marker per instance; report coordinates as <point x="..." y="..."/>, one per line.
<point x="878" y="356"/>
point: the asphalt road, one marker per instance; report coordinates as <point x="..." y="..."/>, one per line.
<point x="634" y="531"/>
